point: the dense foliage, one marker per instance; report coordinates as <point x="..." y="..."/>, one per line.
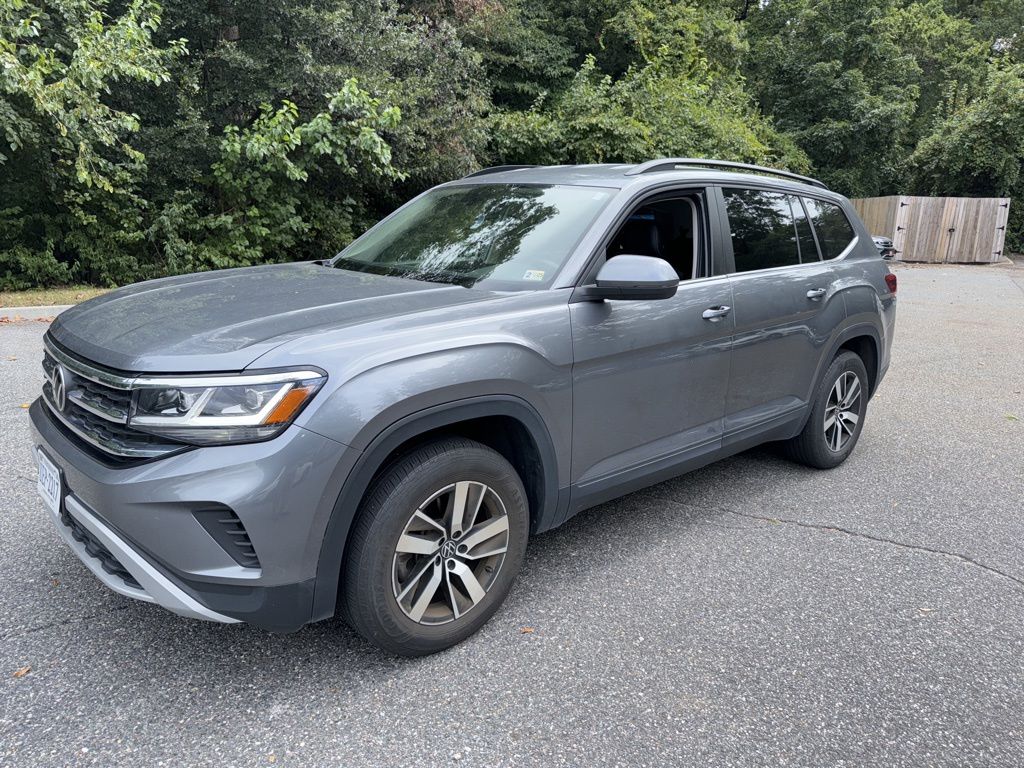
<point x="143" y="138"/>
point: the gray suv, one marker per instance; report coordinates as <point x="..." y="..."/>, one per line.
<point x="379" y="434"/>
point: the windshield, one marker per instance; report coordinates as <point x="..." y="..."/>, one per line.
<point x="495" y="236"/>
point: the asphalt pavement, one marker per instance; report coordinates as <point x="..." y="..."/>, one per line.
<point x="753" y="613"/>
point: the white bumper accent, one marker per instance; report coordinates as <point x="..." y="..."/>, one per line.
<point x="156" y="588"/>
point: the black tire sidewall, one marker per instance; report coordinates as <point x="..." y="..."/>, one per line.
<point x="370" y="601"/>
<point x="843" y="363"/>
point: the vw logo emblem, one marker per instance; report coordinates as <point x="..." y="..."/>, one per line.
<point x="448" y="549"/>
<point x="58" y="387"/>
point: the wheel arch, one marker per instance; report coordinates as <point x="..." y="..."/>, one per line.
<point x="529" y="448"/>
<point x="865" y="346"/>
<point x="858" y="337"/>
<point x="854" y="337"/>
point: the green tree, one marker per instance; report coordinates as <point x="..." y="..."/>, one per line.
<point x="673" y="100"/>
<point x="997" y="23"/>
<point x="158" y="205"/>
<point x="979" y="150"/>
<point x="68" y="148"/>
<point x="57" y="63"/>
<point x="525" y="50"/>
<point x="831" y="77"/>
<point x="248" y="54"/>
<point x="128" y="156"/>
<point x="264" y="208"/>
<point x="950" y="60"/>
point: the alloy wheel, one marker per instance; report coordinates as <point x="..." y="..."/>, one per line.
<point x="450" y="552"/>
<point x="842" y="411"/>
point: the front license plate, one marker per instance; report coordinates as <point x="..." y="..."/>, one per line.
<point x="49" y="483"/>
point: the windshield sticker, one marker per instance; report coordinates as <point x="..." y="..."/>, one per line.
<point x="534" y="274"/>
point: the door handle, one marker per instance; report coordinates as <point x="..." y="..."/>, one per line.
<point x="714" y="314"/>
<point x="815" y="293"/>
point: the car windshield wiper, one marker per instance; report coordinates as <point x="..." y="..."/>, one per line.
<point x="448" y="278"/>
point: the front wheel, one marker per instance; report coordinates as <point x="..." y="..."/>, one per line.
<point x="436" y="546"/>
<point x="837" y="415"/>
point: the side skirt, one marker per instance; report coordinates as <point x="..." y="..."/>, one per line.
<point x="602" y="489"/>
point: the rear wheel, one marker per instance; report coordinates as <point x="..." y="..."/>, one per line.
<point x="437" y="544"/>
<point x="837" y="415"/>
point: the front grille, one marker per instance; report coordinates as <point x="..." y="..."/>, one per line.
<point x="102" y="400"/>
<point x="95" y="548"/>
<point x="227" y="530"/>
<point x="95" y="408"/>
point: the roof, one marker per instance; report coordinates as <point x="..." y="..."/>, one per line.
<point x="620" y="175"/>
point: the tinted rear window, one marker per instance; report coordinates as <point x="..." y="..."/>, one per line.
<point x="762" y="229"/>
<point x="831" y="226"/>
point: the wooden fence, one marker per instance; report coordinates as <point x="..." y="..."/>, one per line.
<point x="939" y="229"/>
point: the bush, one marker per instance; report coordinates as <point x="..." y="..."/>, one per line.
<point x="288" y="126"/>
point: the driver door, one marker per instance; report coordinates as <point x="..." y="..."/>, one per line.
<point x="649" y="377"/>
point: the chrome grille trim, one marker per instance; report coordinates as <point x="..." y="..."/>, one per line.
<point x="96" y="404"/>
<point x="108" y="446"/>
<point x="96" y="409"/>
<point x="77" y="397"/>
<point x="86" y="371"/>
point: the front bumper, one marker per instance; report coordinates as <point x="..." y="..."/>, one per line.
<point x="144" y="515"/>
<point x="151" y="585"/>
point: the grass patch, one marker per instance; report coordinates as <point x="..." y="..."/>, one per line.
<point x="43" y="297"/>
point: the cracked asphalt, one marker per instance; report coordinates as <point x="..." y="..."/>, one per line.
<point x="752" y="613"/>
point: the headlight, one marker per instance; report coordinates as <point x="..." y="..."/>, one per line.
<point x="208" y="410"/>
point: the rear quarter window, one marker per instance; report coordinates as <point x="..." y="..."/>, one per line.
<point x="833" y="229"/>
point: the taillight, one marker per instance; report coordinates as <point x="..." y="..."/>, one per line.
<point x="890" y="280"/>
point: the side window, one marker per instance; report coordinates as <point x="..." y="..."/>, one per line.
<point x="762" y="229"/>
<point x="831" y="226"/>
<point x="668" y="228"/>
<point x="804" y="236"/>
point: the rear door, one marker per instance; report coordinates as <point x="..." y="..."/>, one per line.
<point x="785" y="307"/>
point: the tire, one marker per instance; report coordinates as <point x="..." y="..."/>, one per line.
<point x="816" y="446"/>
<point x="406" y="538"/>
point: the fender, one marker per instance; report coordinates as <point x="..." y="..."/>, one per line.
<point x="847" y="333"/>
<point x="380" y="447"/>
<point x="840" y="338"/>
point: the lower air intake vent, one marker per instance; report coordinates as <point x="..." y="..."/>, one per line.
<point x="227" y="530"/>
<point x="96" y="549"/>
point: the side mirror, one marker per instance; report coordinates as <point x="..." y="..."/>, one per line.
<point x="637" y="278"/>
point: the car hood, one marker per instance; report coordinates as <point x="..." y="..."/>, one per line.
<point x="223" y="321"/>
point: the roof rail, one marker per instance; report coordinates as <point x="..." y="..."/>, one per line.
<point x="679" y="163"/>
<point x="496" y="169"/>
